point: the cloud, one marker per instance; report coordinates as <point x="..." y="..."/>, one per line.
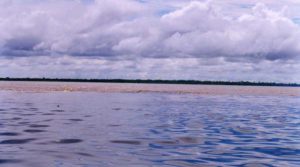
<point x="59" y="27"/>
<point x="129" y="29"/>
<point x="148" y="68"/>
<point x="157" y="39"/>
<point x="262" y="34"/>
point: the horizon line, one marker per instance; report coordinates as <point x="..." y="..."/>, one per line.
<point x="155" y="81"/>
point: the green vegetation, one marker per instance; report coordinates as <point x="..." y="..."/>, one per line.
<point x="195" y="82"/>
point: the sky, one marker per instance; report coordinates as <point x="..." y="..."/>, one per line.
<point x="230" y="40"/>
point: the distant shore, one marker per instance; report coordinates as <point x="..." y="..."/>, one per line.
<point x="100" y="87"/>
<point x="146" y="81"/>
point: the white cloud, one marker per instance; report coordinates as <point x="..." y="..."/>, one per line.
<point x="122" y="28"/>
<point x="235" y="32"/>
<point x="262" y="34"/>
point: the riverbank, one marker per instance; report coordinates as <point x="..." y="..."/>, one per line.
<point x="147" y="88"/>
<point x="148" y="81"/>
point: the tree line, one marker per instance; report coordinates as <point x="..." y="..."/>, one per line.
<point x="156" y="81"/>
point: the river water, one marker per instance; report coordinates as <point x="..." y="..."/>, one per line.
<point x="151" y="129"/>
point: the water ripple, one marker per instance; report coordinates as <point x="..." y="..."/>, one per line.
<point x="148" y="129"/>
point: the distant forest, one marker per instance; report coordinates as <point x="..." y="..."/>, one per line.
<point x="194" y="82"/>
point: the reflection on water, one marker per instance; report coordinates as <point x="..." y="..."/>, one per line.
<point x="148" y="129"/>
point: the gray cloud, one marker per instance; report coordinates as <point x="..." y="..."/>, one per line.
<point x="167" y="39"/>
<point x="164" y="68"/>
<point x="130" y="29"/>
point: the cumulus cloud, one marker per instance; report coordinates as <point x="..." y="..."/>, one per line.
<point x="129" y="29"/>
<point x="188" y="39"/>
<point x="262" y="34"/>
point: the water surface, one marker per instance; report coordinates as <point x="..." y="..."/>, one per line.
<point x="66" y="129"/>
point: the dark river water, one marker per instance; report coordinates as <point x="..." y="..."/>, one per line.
<point x="66" y="129"/>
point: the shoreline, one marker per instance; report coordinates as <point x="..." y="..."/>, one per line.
<point x="148" y="81"/>
<point x="25" y="86"/>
